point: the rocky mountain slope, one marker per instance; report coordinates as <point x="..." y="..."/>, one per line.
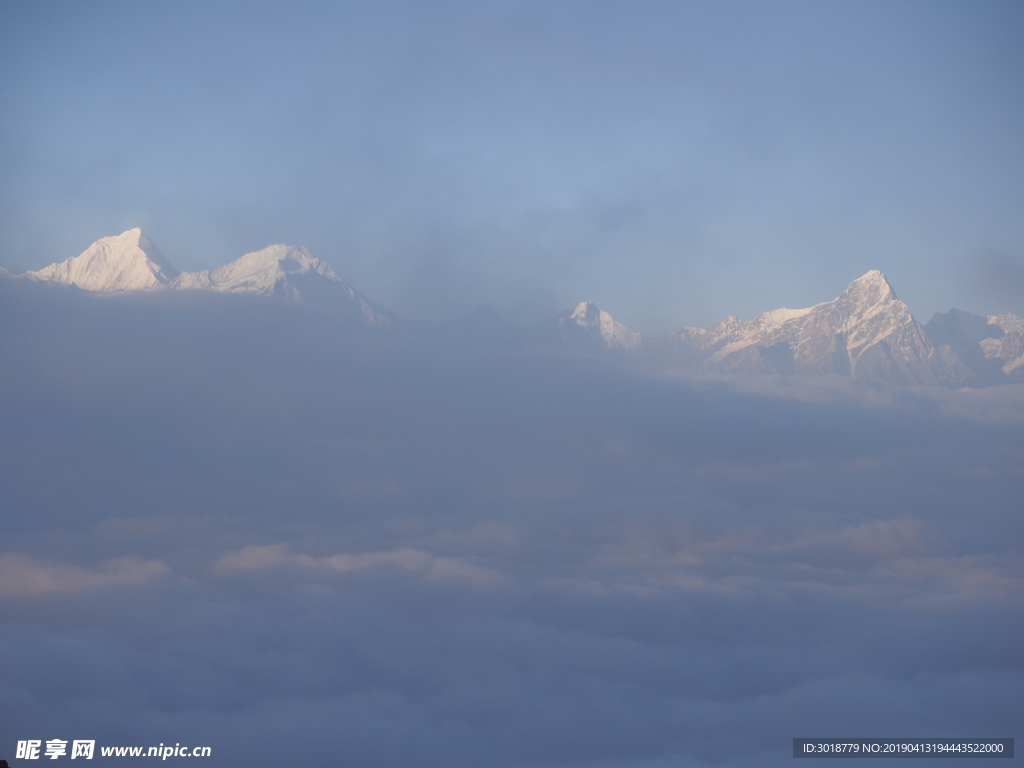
<point x="867" y="332"/>
<point x="991" y="347"/>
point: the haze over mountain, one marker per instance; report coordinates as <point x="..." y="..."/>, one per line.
<point x="991" y="347"/>
<point x="289" y="272"/>
<point x="588" y="328"/>
<point x="234" y="516"/>
<point x="867" y="332"/>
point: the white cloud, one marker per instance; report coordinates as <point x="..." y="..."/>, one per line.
<point x="431" y="567"/>
<point x="24" y="576"/>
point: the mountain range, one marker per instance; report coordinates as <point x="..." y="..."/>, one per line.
<point x="130" y="262"/>
<point x="867" y="332"/>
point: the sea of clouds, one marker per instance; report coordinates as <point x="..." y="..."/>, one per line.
<point x="225" y="521"/>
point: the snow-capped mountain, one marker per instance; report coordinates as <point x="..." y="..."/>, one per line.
<point x="992" y="347"/>
<point x="130" y="262"/>
<point x="866" y="332"/>
<point x="127" y="262"/>
<point x="286" y="271"/>
<point x="588" y="328"/>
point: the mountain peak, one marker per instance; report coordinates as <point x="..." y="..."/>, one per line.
<point x="285" y="259"/>
<point x="263" y="272"/>
<point x="287" y="271"/>
<point x="588" y="320"/>
<point x="586" y="313"/>
<point x="866" y="332"/>
<point x="869" y="289"/>
<point x="125" y="262"/>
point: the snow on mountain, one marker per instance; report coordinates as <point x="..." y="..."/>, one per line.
<point x="130" y="262"/>
<point x="588" y="316"/>
<point x="1011" y="347"/>
<point x="127" y="262"/>
<point x="866" y="332"/>
<point x="588" y="328"/>
<point x="992" y="347"/>
<point x="289" y="272"/>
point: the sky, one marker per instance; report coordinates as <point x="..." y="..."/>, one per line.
<point x="672" y="162"/>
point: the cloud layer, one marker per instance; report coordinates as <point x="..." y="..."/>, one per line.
<point x="229" y="523"/>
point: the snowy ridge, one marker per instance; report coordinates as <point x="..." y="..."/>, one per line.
<point x="865" y="332"/>
<point x="264" y="273"/>
<point x="588" y="328"/>
<point x="286" y="271"/>
<point x="780" y="316"/>
<point x="127" y="262"/>
<point x="130" y="262"/>
<point x="594" y="320"/>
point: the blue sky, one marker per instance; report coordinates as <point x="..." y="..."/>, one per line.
<point x="674" y="162"/>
